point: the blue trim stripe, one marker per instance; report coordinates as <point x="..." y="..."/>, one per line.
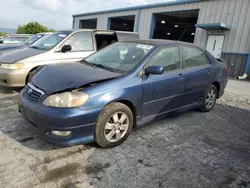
<point x="247" y="65"/>
<point x="139" y="7"/>
<point x="123" y="16"/>
<point x="234" y="53"/>
<point x="108" y="25"/>
<point x="208" y="26"/>
<point x="152" y="26"/>
<point x="79" y="24"/>
<point x="138" y="19"/>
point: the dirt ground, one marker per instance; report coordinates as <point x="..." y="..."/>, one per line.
<point x="237" y="94"/>
<point x="191" y="149"/>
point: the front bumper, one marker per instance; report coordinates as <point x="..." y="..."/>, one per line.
<point x="42" y="120"/>
<point x="13" y="78"/>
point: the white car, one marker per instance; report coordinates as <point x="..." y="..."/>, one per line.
<point x="66" y="46"/>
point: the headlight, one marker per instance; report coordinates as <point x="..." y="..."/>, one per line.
<point x="66" y="99"/>
<point x="12" y="66"/>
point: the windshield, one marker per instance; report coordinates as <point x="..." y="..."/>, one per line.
<point x="121" y="56"/>
<point x="14" y="40"/>
<point x="33" y="39"/>
<point x="51" y="41"/>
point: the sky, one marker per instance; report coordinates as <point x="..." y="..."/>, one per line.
<point x="56" y="14"/>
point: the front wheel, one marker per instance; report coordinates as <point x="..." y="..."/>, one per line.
<point x="113" y="125"/>
<point x="209" y="99"/>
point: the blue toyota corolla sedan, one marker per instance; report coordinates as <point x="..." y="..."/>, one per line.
<point x="127" y="84"/>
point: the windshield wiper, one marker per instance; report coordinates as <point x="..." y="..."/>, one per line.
<point x="86" y="62"/>
<point x="34" y="47"/>
<point x="106" y="67"/>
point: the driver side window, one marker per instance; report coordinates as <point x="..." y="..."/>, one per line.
<point x="81" y="41"/>
<point x="169" y="58"/>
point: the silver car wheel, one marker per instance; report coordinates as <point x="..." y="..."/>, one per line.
<point x="211" y="97"/>
<point x="116" y="127"/>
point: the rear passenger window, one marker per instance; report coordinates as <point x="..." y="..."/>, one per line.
<point x="169" y="58"/>
<point x="194" y="57"/>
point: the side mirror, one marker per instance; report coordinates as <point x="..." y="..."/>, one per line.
<point x="66" y="48"/>
<point x="154" y="70"/>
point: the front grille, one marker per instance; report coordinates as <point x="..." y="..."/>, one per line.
<point x="33" y="93"/>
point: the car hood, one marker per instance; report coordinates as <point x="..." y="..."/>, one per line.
<point x="55" y="78"/>
<point x="11" y="56"/>
<point x="10" y="46"/>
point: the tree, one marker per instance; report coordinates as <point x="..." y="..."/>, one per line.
<point x="2" y="34"/>
<point x="33" y="28"/>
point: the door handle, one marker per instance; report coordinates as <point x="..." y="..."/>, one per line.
<point x="180" y="76"/>
<point x="208" y="70"/>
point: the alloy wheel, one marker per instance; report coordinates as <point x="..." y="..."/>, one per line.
<point x="211" y="97"/>
<point x="116" y="127"/>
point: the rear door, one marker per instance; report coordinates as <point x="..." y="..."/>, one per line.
<point x="198" y="74"/>
<point x="82" y="46"/>
<point x="162" y="93"/>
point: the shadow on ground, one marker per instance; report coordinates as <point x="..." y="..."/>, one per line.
<point x="8" y="90"/>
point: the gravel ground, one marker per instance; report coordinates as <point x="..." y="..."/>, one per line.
<point x="237" y="94"/>
<point x="190" y="149"/>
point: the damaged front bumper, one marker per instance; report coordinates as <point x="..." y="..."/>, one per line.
<point x="44" y="120"/>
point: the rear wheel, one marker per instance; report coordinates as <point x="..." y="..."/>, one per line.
<point x="209" y="99"/>
<point x="113" y="125"/>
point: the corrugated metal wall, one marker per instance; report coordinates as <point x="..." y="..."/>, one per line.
<point x="235" y="13"/>
<point x="231" y="12"/>
<point x="236" y="63"/>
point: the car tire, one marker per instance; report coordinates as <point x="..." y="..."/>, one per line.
<point x="209" y="100"/>
<point x="113" y="125"/>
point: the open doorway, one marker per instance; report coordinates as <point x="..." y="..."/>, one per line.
<point x="88" y="24"/>
<point x="175" y="25"/>
<point x="122" y="23"/>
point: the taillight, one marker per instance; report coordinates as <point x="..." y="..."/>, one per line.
<point x="226" y="68"/>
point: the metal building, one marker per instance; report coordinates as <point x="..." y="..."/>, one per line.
<point x="220" y="26"/>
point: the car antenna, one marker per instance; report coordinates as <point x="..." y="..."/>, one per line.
<point x="182" y="34"/>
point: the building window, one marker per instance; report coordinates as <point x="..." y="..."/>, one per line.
<point x="122" y="23"/>
<point x="175" y="25"/>
<point x="88" y="24"/>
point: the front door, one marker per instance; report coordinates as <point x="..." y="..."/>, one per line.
<point x="198" y="74"/>
<point x="215" y="44"/>
<point x="81" y="44"/>
<point x="162" y="93"/>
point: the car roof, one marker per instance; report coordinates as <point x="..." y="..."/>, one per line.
<point x="45" y="33"/>
<point x="94" y="30"/>
<point x="159" y="42"/>
<point x="19" y="35"/>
